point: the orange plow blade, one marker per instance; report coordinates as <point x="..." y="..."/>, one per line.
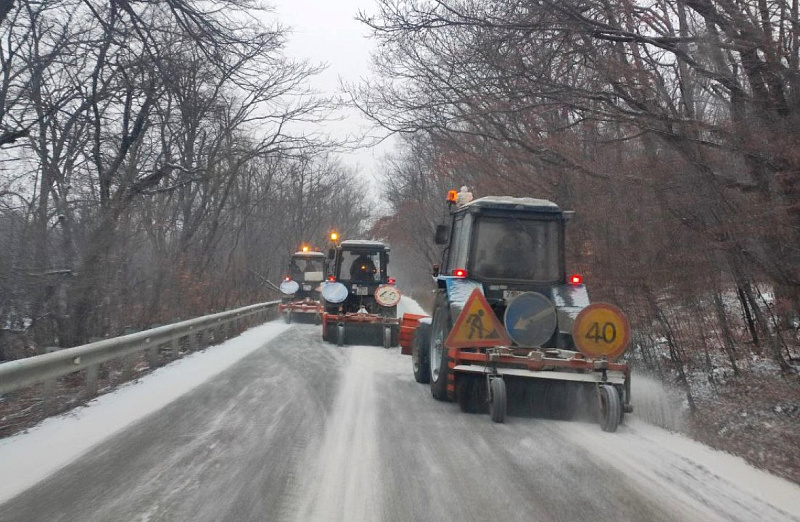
<point x="408" y="325"/>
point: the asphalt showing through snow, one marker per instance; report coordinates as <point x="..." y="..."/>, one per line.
<point x="304" y="431"/>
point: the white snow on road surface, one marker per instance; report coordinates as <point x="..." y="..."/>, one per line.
<point x="677" y="467"/>
<point x="32" y="456"/>
<point x="344" y="481"/>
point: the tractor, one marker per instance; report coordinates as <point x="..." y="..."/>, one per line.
<point x="359" y="298"/>
<point x="301" y="286"/>
<point x="510" y="330"/>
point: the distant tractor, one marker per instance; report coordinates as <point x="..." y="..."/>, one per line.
<point x="552" y="353"/>
<point x="301" y="287"/>
<point x="360" y="299"/>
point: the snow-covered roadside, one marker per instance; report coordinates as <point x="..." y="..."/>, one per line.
<point x="29" y="457"/>
<point x="409" y="306"/>
<point x="676" y="466"/>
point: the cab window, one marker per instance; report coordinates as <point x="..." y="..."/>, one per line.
<point x="455" y="237"/>
<point x="517" y="249"/>
<point x="364" y="267"/>
<point x="461" y="244"/>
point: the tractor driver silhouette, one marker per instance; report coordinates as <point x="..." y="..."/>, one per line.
<point x="363" y="269"/>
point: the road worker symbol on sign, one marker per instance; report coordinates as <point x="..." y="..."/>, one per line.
<point x="601" y="330"/>
<point x="477" y="326"/>
<point x="475" y="322"/>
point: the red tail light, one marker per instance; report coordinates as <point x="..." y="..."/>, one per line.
<point x="575" y="279"/>
<point x="459" y="272"/>
<point x="391" y="281"/>
<point x="287" y="278"/>
<point x="331" y="278"/>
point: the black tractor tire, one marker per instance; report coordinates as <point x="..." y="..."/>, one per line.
<point x="610" y="406"/>
<point x="498" y="400"/>
<point x="419" y="354"/>
<point x="438" y="362"/>
<point x="396" y="335"/>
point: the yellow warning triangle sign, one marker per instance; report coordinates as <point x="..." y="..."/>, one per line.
<point x="477" y="326"/>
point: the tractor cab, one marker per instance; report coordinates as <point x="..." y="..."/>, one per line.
<point x="308" y="270"/>
<point x="361" y="266"/>
<point x="507" y="246"/>
<point x="359" y="296"/>
<point x="301" y="286"/>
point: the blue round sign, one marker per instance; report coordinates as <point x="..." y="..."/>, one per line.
<point x="289" y="287"/>
<point x="334" y="292"/>
<point x="530" y="319"/>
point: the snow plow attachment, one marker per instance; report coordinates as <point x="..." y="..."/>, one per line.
<point x="303" y="311"/>
<point x="360" y="328"/>
<point x="408" y="325"/>
<point x="492" y="373"/>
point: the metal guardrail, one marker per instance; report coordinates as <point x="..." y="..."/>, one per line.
<point x="46" y="368"/>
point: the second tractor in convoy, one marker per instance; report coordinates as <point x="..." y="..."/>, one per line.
<point x="553" y="352"/>
<point x="359" y="298"/>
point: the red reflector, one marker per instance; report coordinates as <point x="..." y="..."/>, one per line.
<point x="575" y="279"/>
<point x="331" y="278"/>
<point x="391" y="280"/>
<point x="459" y="272"/>
<point x="287" y="278"/>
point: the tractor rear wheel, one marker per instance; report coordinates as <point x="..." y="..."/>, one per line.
<point x="437" y="353"/>
<point x="387" y="337"/>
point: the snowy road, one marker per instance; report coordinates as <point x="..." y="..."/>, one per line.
<point x="298" y="430"/>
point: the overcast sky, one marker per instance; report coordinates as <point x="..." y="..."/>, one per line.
<point x="325" y="31"/>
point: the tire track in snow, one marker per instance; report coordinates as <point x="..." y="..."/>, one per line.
<point x="343" y="481"/>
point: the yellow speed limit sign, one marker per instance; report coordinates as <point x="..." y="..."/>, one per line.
<point x="601" y="330"/>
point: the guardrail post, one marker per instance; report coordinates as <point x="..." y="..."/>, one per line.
<point x="127" y="367"/>
<point x="48" y="396"/>
<point x="221" y="332"/>
<point x="175" y="347"/>
<point x="92" y="374"/>
<point x="152" y="356"/>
